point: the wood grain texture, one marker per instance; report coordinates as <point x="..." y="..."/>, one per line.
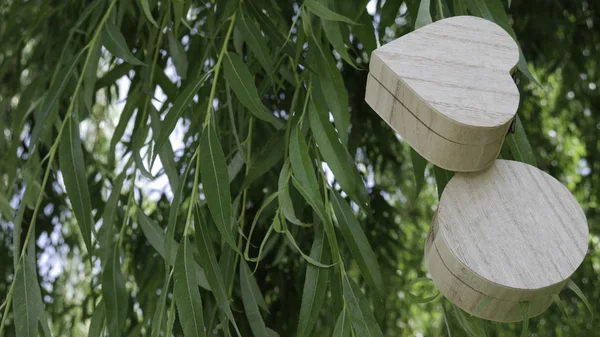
<point x="453" y="76"/>
<point x="442" y="152"/>
<point x="512" y="233"/>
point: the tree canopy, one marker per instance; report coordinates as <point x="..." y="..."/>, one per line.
<point x="210" y="168"/>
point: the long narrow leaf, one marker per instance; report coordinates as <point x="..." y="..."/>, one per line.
<point x="114" y="293"/>
<point x="315" y="285"/>
<point x="325" y="13"/>
<point x="215" y="180"/>
<point x="357" y="242"/>
<point x="362" y="318"/>
<point x="442" y="177"/>
<point x="72" y="165"/>
<point x="179" y="56"/>
<point x="114" y="41"/>
<point x="250" y="301"/>
<point x="336" y="156"/>
<point x="519" y="144"/>
<point x="240" y="80"/>
<point x="98" y="321"/>
<point x="25" y="304"/>
<point x="179" y="106"/>
<point x="209" y="263"/>
<point x="186" y="293"/>
<point x="255" y="41"/>
<point x="147" y="13"/>
<point x="342" y="326"/>
<point x="52" y="95"/>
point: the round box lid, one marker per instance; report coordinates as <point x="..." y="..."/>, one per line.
<point x="454" y="76"/>
<point x="511" y="231"/>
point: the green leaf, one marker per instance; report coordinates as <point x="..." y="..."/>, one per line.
<point x="361" y="317"/>
<point x="208" y="261"/>
<point x="418" y="164"/>
<point x="6" y="210"/>
<point x="306" y="22"/>
<point x="336" y="156"/>
<point x="166" y="154"/>
<point x="302" y="165"/>
<point x="519" y="144"/>
<point x="308" y="258"/>
<point x="342" y="326"/>
<point x="90" y="75"/>
<point x="185" y="292"/>
<point x="147" y="13"/>
<point x="51" y="97"/>
<point x="366" y="32"/>
<point x="114" y="292"/>
<point x="329" y="91"/>
<point x="442" y="177"/>
<point x="131" y="105"/>
<point x="417" y="298"/>
<point x="26" y="304"/>
<point x="574" y="288"/>
<point x="459" y="8"/>
<point x="333" y="31"/>
<point x="98" y="321"/>
<point x="325" y="13"/>
<point x="158" y="319"/>
<point x="250" y="300"/>
<point x="114" y="41"/>
<point x="464" y="322"/>
<point x="178" y="199"/>
<point x="156" y="238"/>
<point x="524" y="306"/>
<point x="154" y="234"/>
<point x="215" y="181"/>
<point x="178" y="54"/>
<point x="268" y="155"/>
<point x="556" y="299"/>
<point x="315" y="285"/>
<point x="72" y="167"/>
<point x="493" y="10"/>
<point x="285" y="201"/>
<point x="358" y="243"/>
<point x="423" y="16"/>
<point x="178" y="13"/>
<point x="253" y="287"/>
<point x="179" y="106"/>
<point x="240" y="80"/>
<point x="255" y="41"/>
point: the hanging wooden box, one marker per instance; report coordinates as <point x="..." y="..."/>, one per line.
<point x="446" y="89"/>
<point x="505" y="235"/>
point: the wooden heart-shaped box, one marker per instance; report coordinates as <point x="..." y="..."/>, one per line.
<point x="446" y="89"/>
<point x="505" y="235"/>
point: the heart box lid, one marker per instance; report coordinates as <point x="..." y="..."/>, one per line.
<point x="510" y="232"/>
<point x="454" y="76"/>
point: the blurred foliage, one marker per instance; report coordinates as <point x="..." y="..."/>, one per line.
<point x="64" y="66"/>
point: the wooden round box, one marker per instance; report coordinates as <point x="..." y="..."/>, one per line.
<point x="447" y="89"/>
<point x="502" y="236"/>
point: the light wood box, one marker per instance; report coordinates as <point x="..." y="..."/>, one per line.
<point x="511" y="233"/>
<point x="446" y="89"/>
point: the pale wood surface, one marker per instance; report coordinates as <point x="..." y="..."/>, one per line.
<point x="512" y="233"/>
<point x="454" y="75"/>
<point x="444" y="153"/>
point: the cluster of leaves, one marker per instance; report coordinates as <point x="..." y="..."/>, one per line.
<point x="264" y="224"/>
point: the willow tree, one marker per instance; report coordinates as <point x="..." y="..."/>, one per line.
<point x="210" y="168"/>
